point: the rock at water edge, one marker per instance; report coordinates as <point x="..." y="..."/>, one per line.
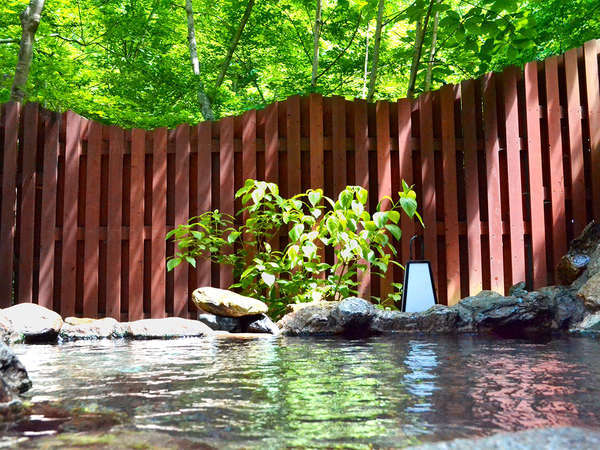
<point x="220" y="323"/>
<point x="12" y="371"/>
<point x="226" y="303"/>
<point x="260" y="323"/>
<point x="170" y="327"/>
<point x="36" y="323"/>
<point x="96" y="329"/>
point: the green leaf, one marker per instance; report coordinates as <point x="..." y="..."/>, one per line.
<point x="233" y="236"/>
<point x="395" y="230"/>
<point x="362" y="195"/>
<point x="269" y="279"/>
<point x="409" y="205"/>
<point x="380" y="218"/>
<point x="191" y="261"/>
<point x="314" y="197"/>
<point x="172" y="263"/>
<point x="296" y="232"/>
<point x="393" y="216"/>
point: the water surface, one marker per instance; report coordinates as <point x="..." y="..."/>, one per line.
<point x="281" y="392"/>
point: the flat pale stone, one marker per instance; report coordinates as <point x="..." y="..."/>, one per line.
<point x="79" y="320"/>
<point x="170" y="327"/>
<point x="96" y="329"/>
<point x="31" y="319"/>
<point x="226" y="303"/>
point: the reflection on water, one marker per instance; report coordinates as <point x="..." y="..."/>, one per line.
<point x="274" y="392"/>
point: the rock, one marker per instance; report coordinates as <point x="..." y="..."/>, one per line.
<point x="354" y="315"/>
<point x="518" y="289"/>
<point x="12" y="372"/>
<point x="78" y="320"/>
<point x="34" y="322"/>
<point x="543" y="438"/>
<point x="568" y="308"/>
<point x="260" y="323"/>
<point x="579" y="256"/>
<point x="96" y="329"/>
<point x="226" y="303"/>
<point x="231" y="324"/>
<point x="526" y="316"/>
<point x="590" y="293"/>
<point x="438" y="319"/>
<point x="8" y="334"/>
<point x="589" y="325"/>
<point x="170" y="327"/>
<point x="313" y="318"/>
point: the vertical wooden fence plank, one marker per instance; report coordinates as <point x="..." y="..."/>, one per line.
<point x="405" y="158"/>
<point x="384" y="176"/>
<point x="136" y="225"/>
<point x="447" y="96"/>
<point x="69" y="231"/>
<point x="159" y="227"/>
<point x="227" y="185"/>
<point x="469" y="120"/>
<point x="293" y="145"/>
<point x="591" y="50"/>
<point x="272" y="144"/>
<point x="30" y="138"/>
<point x="575" y="142"/>
<point x="9" y="199"/>
<point x="492" y="147"/>
<point x="428" y="179"/>
<point x="338" y="113"/>
<point x="249" y="145"/>
<point x="203" y="275"/>
<point x="361" y="169"/>
<point x="316" y="141"/>
<point x="182" y="212"/>
<point x="513" y="160"/>
<point x="48" y="218"/>
<point x="113" y="234"/>
<point x="92" y="221"/>
<point x="536" y="188"/>
<point x="557" y="182"/>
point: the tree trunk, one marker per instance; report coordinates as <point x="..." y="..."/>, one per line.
<point x="364" y="89"/>
<point x="234" y="43"/>
<point x="432" y="51"/>
<point x="419" y="38"/>
<point x="203" y="100"/>
<point x="316" y="39"/>
<point x="378" y="27"/>
<point x="30" y="19"/>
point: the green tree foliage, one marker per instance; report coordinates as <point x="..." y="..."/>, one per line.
<point x="127" y="62"/>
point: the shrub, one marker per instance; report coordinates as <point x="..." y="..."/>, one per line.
<point x="298" y="272"/>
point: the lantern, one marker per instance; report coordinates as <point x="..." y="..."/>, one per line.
<point x="418" y="292"/>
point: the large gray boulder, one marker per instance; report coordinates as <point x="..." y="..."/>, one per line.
<point x="354" y="315"/>
<point x="34" y="322"/>
<point x="311" y="319"/>
<point x="226" y="303"/>
<point x="168" y="328"/>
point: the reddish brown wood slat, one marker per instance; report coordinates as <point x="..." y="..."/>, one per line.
<point x="384" y="177"/>
<point x="557" y="182"/>
<point x="136" y="226"/>
<point x="338" y="119"/>
<point x="92" y="221"/>
<point x="469" y="120"/>
<point x="203" y="275"/>
<point x="316" y="141"/>
<point x="361" y="173"/>
<point x="536" y="188"/>
<point x="447" y="95"/>
<point x="9" y="199"/>
<point x="226" y="186"/>
<point x="249" y="145"/>
<point x="293" y="145"/>
<point x="159" y="213"/>
<point x="182" y="213"/>
<point x="70" y="202"/>
<point x="113" y="233"/>
<point x="428" y="202"/>
<point x="591" y="50"/>
<point x="575" y="142"/>
<point x="48" y="214"/>
<point x="492" y="147"/>
<point x="30" y="138"/>
<point x="272" y="144"/>
<point x="513" y="160"/>
<point x="405" y="157"/>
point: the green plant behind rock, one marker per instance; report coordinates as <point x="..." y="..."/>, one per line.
<point x="298" y="272"/>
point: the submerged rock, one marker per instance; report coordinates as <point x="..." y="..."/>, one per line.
<point x="12" y="372"/>
<point x="226" y="303"/>
<point x="93" y="329"/>
<point x="260" y="323"/>
<point x="544" y="438"/>
<point x="34" y="322"/>
<point x="168" y="328"/>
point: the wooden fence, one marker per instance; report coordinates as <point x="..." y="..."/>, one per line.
<point x="506" y="167"/>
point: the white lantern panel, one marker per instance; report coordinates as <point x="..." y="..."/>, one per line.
<point x="419" y="294"/>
